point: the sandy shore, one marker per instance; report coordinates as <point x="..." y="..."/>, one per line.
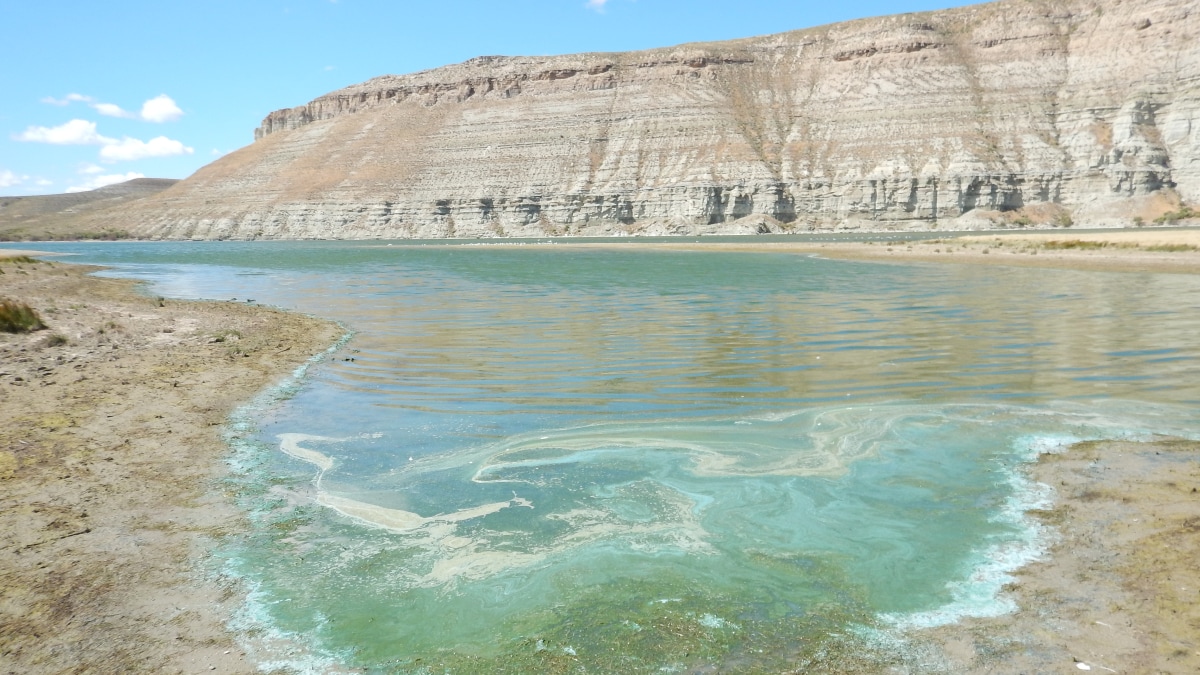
<point x="1119" y="591"/>
<point x="110" y="450"/>
<point x="1143" y="250"/>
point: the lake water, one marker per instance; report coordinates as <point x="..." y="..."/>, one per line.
<point x="548" y="459"/>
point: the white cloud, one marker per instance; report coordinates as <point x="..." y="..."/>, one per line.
<point x="42" y="182"/>
<point x="66" y="100"/>
<point x="10" y="179"/>
<point x="91" y="168"/>
<point x="161" y="108"/>
<point x="129" y="149"/>
<point x="106" y="179"/>
<point x="113" y="110"/>
<point x="75" y="132"/>
<point x="597" y="5"/>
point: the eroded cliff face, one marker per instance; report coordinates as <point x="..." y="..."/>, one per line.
<point x="1017" y="112"/>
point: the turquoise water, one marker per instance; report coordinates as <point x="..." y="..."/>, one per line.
<point x="552" y="459"/>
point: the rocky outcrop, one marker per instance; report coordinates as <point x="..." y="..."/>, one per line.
<point x="1020" y="112"/>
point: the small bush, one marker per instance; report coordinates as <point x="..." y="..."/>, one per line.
<point x="1076" y="244"/>
<point x="1184" y="212"/>
<point x="18" y="317"/>
<point x="55" y="340"/>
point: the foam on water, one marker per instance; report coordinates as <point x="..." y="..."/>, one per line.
<point x="671" y="488"/>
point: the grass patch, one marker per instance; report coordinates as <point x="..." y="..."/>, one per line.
<point x="1173" y="248"/>
<point x="20" y="259"/>
<point x="1183" y="213"/>
<point x="1075" y="244"/>
<point x="55" y="340"/>
<point x="18" y="317"/>
<point x="227" y="335"/>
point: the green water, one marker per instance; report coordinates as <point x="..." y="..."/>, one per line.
<point x="546" y="459"/>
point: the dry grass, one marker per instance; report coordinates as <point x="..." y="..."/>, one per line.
<point x="18" y="317"/>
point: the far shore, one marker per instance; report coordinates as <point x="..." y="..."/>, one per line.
<point x="1141" y="250"/>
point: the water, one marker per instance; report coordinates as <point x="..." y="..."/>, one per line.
<point x="539" y="458"/>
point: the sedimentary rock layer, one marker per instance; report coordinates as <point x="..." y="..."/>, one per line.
<point x="1016" y="112"/>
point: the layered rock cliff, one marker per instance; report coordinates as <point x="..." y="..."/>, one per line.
<point x="1017" y="112"/>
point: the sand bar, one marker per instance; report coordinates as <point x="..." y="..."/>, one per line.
<point x="19" y="253"/>
<point x="1171" y="251"/>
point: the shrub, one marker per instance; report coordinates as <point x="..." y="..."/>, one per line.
<point x="1172" y="248"/>
<point x="18" y="317"/>
<point x="55" y="340"/>
<point x="1172" y="216"/>
<point x="1075" y="244"/>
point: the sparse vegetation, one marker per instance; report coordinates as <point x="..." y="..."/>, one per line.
<point x="1075" y="244"/>
<point x="1173" y="248"/>
<point x="18" y="317"/>
<point x="55" y="340"/>
<point x="20" y="259"/>
<point x="228" y="335"/>
<point x="109" y="326"/>
<point x="1183" y="213"/>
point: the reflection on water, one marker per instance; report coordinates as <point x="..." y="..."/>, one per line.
<point x="536" y="458"/>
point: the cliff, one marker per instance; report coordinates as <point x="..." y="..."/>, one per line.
<point x="1019" y="112"/>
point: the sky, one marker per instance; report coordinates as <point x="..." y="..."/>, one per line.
<point x="95" y="92"/>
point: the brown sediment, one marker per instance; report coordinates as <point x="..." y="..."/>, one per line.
<point x="1119" y="591"/>
<point x="110" y="456"/>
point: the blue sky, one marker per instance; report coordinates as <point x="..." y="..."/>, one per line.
<point x="97" y="91"/>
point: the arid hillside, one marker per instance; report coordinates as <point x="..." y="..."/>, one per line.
<point x="54" y="216"/>
<point x="1017" y="113"/>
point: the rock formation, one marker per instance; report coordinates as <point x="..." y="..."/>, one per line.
<point x="1018" y="112"/>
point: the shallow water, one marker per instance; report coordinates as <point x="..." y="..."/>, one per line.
<point x="542" y="458"/>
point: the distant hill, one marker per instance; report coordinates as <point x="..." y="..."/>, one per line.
<point x="43" y="217"/>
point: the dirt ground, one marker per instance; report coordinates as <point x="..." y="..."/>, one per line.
<point x="110" y="449"/>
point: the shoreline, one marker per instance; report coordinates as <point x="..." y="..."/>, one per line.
<point x="1117" y="589"/>
<point x="1144" y="250"/>
<point x="111" y="456"/>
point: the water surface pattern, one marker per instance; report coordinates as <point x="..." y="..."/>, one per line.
<point x="551" y="459"/>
